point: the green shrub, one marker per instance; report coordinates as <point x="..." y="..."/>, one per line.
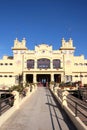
<point x="18" y="88"/>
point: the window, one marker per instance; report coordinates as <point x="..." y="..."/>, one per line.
<point x="56" y="63"/>
<point x="43" y="51"/>
<point x="10" y="64"/>
<point x="1" y="63"/>
<point x="76" y="64"/>
<point x="10" y="76"/>
<point x="6" y="63"/>
<point x="68" y="78"/>
<point x="5" y="75"/>
<point x="76" y="75"/>
<point x="81" y="75"/>
<point x="85" y="64"/>
<point x="80" y="64"/>
<point x="30" y="64"/>
<point x="43" y="63"/>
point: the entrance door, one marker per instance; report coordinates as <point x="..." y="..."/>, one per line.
<point x="57" y="78"/>
<point x="29" y="78"/>
<point x="43" y="79"/>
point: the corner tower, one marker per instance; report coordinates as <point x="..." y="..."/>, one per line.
<point x="18" y="53"/>
<point x="67" y="46"/>
<point x="67" y="50"/>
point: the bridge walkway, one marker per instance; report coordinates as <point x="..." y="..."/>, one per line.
<point x="39" y="112"/>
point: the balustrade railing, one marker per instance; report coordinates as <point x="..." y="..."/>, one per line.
<point x="78" y="107"/>
<point x="6" y="103"/>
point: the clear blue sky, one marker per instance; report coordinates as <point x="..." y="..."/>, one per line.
<point x="43" y="21"/>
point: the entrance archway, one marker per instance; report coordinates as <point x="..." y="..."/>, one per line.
<point x="57" y="78"/>
<point x="43" y="79"/>
<point x="29" y="78"/>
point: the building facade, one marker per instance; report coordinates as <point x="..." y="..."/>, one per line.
<point x="43" y="64"/>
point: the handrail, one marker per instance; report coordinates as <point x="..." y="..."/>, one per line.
<point x="76" y="105"/>
<point x="80" y="103"/>
<point x="82" y="108"/>
<point x="6" y="103"/>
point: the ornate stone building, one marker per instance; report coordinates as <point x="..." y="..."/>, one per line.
<point x="43" y="64"/>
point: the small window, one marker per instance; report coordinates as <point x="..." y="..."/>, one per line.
<point x="76" y="64"/>
<point x="81" y="75"/>
<point x="0" y="75"/>
<point x="6" y="63"/>
<point x="5" y="75"/>
<point x="10" y="76"/>
<point x="56" y="63"/>
<point x="43" y="51"/>
<point x="30" y="64"/>
<point x="85" y="64"/>
<point x="10" y="64"/>
<point x="76" y="75"/>
<point x="1" y="63"/>
<point x="80" y="64"/>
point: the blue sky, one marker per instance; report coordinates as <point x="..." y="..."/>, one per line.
<point x="43" y="21"/>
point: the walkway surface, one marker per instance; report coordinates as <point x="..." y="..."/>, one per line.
<point x="39" y="112"/>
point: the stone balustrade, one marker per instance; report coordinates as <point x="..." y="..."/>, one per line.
<point x="62" y="99"/>
<point x="19" y="99"/>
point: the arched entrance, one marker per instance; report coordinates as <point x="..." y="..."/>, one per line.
<point x="57" y="78"/>
<point x="43" y="79"/>
<point x="29" y="78"/>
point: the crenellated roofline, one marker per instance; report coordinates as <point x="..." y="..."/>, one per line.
<point x="19" y="45"/>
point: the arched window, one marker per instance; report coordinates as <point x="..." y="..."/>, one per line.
<point x="43" y="63"/>
<point x="76" y="64"/>
<point x="30" y="64"/>
<point x="56" y="63"/>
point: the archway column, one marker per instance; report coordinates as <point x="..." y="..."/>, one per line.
<point x="34" y="78"/>
<point x="62" y="77"/>
<point x="24" y="79"/>
<point x="52" y="77"/>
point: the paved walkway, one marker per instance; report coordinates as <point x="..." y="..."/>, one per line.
<point x="39" y="112"/>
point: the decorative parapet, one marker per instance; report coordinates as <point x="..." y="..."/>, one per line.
<point x="19" y="45"/>
<point x="67" y="45"/>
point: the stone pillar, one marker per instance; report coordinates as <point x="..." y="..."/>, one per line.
<point x="24" y="79"/>
<point x="62" y="77"/>
<point x="51" y="64"/>
<point x="16" y="99"/>
<point x="52" y="77"/>
<point x="35" y="66"/>
<point x="64" y="97"/>
<point x="61" y="64"/>
<point x="25" y="64"/>
<point x="34" y="78"/>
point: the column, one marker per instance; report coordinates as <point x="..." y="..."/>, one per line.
<point x="64" y="98"/>
<point x="62" y="77"/>
<point x="52" y="77"/>
<point x="34" y="78"/>
<point x="61" y="64"/>
<point x="25" y="64"/>
<point x="35" y="65"/>
<point x="51" y="64"/>
<point x="24" y="79"/>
